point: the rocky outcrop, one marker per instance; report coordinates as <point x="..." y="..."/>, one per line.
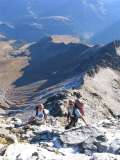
<point x="55" y="103"/>
<point x="102" y="92"/>
<point x="93" y="142"/>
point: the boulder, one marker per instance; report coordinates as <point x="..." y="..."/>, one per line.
<point x="55" y="103"/>
<point x="105" y="156"/>
<point x="15" y="121"/>
<point x="20" y="151"/>
<point x="80" y="135"/>
<point x="115" y="147"/>
<point x="2" y="149"/>
<point x="26" y="151"/>
<point x="7" y="139"/>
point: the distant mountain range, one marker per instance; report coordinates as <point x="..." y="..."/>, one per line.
<point x="30" y="20"/>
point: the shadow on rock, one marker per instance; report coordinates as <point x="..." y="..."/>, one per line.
<point x="47" y="136"/>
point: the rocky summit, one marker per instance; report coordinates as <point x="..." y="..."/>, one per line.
<point x="98" y="141"/>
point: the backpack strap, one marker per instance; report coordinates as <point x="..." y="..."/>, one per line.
<point x="74" y="111"/>
<point x="36" y="114"/>
<point x="45" y="115"/>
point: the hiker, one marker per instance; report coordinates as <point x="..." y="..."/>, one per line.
<point x="80" y="106"/>
<point x="72" y="116"/>
<point x="40" y="115"/>
<point x="75" y="111"/>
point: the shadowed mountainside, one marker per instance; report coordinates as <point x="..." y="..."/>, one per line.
<point x="56" y="62"/>
<point x="50" y="61"/>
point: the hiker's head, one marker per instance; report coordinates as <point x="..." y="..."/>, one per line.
<point x="77" y="102"/>
<point x="71" y="103"/>
<point x="65" y="103"/>
<point x="40" y="107"/>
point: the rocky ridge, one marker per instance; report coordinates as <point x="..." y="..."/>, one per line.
<point x="47" y="142"/>
<point x="99" y="86"/>
<point x="100" y="140"/>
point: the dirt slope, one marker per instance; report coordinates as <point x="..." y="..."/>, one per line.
<point x="10" y="68"/>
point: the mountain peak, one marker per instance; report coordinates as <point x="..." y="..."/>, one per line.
<point x="66" y="39"/>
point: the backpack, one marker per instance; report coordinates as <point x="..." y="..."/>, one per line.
<point x="79" y="105"/>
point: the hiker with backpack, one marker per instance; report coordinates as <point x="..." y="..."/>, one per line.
<point x="75" y="111"/>
<point x="80" y="106"/>
<point x="40" y="115"/>
<point x="72" y="118"/>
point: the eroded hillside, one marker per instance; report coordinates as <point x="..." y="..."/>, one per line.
<point x="10" y="68"/>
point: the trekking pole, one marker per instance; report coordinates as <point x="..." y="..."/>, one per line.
<point x="84" y="121"/>
<point x="90" y="127"/>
